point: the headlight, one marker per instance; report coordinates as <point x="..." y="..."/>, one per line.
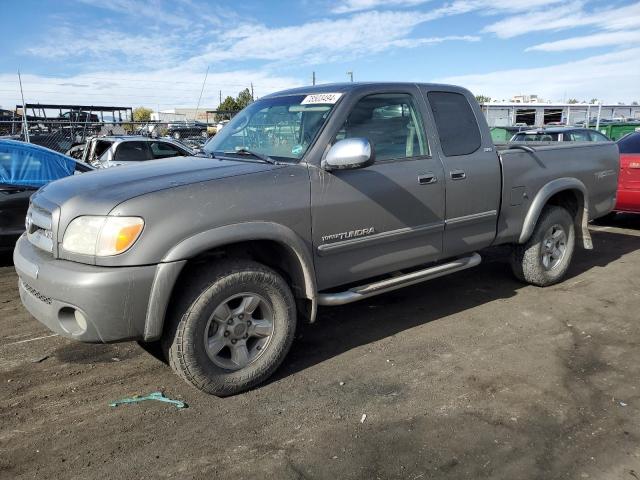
<point x="102" y="236"/>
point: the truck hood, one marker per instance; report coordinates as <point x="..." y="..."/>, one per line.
<point x="98" y="192"/>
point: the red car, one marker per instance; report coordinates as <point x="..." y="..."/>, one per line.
<point x="628" y="199"/>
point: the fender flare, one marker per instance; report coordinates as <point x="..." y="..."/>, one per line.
<point x="542" y="197"/>
<point x="174" y="261"/>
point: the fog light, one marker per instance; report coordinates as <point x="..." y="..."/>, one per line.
<point x="72" y="320"/>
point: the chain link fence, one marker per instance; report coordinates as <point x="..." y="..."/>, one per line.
<point x="70" y="137"/>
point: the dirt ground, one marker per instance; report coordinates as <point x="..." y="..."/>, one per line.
<point x="468" y="376"/>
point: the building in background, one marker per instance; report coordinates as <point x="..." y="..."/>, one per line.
<point x="182" y="114"/>
<point x="526" y="99"/>
<point x="538" y="114"/>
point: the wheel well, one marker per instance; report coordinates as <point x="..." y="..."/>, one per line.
<point x="270" y="253"/>
<point x="570" y="199"/>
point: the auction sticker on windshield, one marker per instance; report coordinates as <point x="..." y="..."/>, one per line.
<point x="321" y="98"/>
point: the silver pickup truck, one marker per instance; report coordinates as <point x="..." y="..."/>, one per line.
<point x="321" y="195"/>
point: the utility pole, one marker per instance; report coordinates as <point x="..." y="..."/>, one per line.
<point x="350" y="73"/>
<point x="220" y="103"/>
<point x="252" y="91"/>
<point x="313" y="78"/>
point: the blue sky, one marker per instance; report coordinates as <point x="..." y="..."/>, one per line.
<point x="155" y="53"/>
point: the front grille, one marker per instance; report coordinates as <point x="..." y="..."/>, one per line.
<point x="36" y="293"/>
<point x="39" y="228"/>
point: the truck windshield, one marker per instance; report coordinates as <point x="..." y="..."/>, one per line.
<point x="281" y="128"/>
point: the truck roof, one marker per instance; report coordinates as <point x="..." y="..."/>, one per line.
<point x="351" y="86"/>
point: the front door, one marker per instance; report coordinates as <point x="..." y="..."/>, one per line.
<point x="387" y="216"/>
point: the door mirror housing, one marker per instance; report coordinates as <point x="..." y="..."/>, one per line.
<point x="349" y="153"/>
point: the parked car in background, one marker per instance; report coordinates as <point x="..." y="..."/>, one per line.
<point x="187" y="129"/>
<point x="628" y="199"/>
<point x="560" y="134"/>
<point x="112" y="151"/>
<point x="24" y="168"/>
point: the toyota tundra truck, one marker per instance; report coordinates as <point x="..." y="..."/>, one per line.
<point x="315" y="196"/>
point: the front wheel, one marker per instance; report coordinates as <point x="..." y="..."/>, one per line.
<point x="232" y="327"/>
<point x="545" y="258"/>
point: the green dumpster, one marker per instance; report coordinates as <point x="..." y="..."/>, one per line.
<point x="504" y="134"/>
<point x="616" y="131"/>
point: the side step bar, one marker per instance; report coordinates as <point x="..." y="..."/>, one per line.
<point x="389" y="284"/>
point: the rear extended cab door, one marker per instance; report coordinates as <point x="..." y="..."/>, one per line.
<point x="472" y="172"/>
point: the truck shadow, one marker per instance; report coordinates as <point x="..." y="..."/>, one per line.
<point x="6" y="259"/>
<point x="340" y="329"/>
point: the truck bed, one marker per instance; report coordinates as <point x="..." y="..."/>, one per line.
<point x="529" y="166"/>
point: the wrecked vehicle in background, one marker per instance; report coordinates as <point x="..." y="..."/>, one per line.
<point x="24" y="168"/>
<point x="112" y="151"/>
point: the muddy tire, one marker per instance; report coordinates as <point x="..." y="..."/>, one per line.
<point x="231" y="327"/>
<point x="545" y="258"/>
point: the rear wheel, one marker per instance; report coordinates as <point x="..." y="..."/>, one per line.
<point x="545" y="258"/>
<point x="232" y="327"/>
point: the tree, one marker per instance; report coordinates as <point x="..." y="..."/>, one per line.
<point x="244" y="98"/>
<point x="572" y="101"/>
<point x="228" y="105"/>
<point x="593" y="100"/>
<point x="142" y="114"/>
<point x="634" y="103"/>
<point x="483" y="99"/>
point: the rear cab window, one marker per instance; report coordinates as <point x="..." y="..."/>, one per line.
<point x="537" y="137"/>
<point x="456" y="123"/>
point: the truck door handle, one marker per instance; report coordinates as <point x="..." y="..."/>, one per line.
<point x="427" y="178"/>
<point x="458" y="175"/>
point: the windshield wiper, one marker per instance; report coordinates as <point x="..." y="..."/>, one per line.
<point x="246" y="151"/>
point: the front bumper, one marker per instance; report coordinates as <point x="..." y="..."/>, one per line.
<point x="83" y="302"/>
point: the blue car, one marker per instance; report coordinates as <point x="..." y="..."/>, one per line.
<point x="24" y="168"/>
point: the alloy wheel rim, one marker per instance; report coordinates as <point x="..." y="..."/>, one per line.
<point x="239" y="331"/>
<point x="554" y="247"/>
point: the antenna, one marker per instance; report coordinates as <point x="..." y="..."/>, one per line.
<point x="24" y="112"/>
<point x="201" y="91"/>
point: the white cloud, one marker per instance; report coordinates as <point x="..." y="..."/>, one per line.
<point x="622" y="38"/>
<point x="323" y="41"/>
<point x="349" y="6"/>
<point x="164" y="88"/>
<point x="452" y="8"/>
<point x="610" y="77"/>
<point x="150" y="10"/>
<point x="566" y="16"/>
<point x="107" y="46"/>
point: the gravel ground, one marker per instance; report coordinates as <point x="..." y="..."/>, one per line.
<point x="468" y="376"/>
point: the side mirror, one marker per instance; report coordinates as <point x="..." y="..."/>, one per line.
<point x="349" y="153"/>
